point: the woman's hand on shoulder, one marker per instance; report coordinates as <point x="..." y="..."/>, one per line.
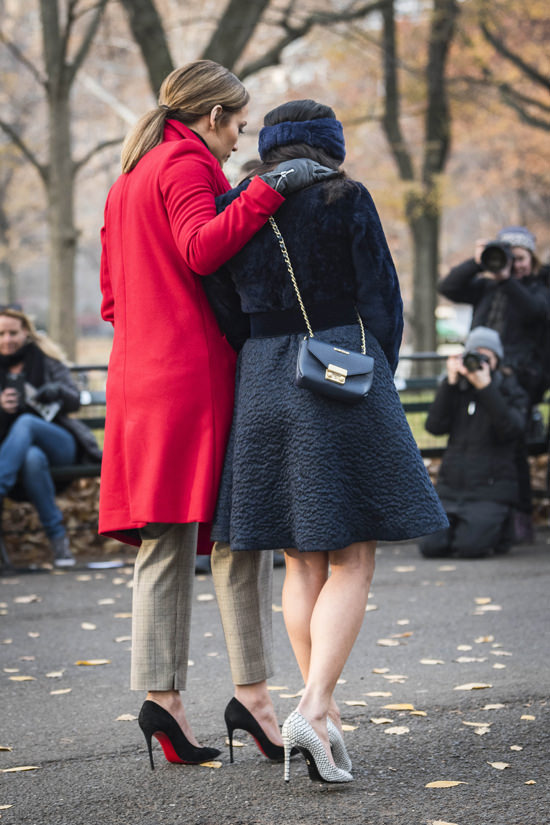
<point x="292" y="175"/>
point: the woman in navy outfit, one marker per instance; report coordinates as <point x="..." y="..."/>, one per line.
<point x="324" y="480"/>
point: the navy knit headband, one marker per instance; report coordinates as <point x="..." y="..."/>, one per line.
<point x="324" y="133"/>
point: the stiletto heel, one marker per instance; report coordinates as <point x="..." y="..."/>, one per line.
<point x="155" y="721"/>
<point x="298" y="732"/>
<point x="237" y="717"/>
<point x="338" y="747"/>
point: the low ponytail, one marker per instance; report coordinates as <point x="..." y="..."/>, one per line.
<point x="187" y="94"/>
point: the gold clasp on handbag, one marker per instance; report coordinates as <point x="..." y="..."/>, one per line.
<point x="336" y="374"/>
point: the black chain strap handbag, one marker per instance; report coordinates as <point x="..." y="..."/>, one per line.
<point x="323" y="368"/>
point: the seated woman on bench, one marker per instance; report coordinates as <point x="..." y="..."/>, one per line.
<point x="36" y="392"/>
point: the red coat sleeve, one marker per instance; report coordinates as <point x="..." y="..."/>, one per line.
<point x="204" y="239"/>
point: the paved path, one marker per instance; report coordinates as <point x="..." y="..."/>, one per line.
<point x="432" y="626"/>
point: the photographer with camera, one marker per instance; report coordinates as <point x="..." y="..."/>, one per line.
<point x="509" y="292"/>
<point x="483" y="409"/>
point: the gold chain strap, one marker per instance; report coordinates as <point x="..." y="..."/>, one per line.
<point x="295" y="285"/>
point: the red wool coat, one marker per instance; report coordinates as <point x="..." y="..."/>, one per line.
<point x="171" y="372"/>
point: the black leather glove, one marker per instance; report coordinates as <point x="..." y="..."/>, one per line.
<point x="52" y="391"/>
<point x="291" y="175"/>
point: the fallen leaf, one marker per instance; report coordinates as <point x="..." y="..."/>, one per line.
<point x="398" y="730"/>
<point x="381" y="693"/>
<point x="483" y="600"/>
<point x="400" y="706"/>
<point x="528" y="718"/>
<point x="5" y="748"/>
<point x="22" y="678"/>
<point x="499" y="666"/>
<point x="27" y="658"/>
<point x="444" y="783"/>
<point x="404" y="635"/>
<point x="496" y="706"/>
<point x="500" y="766"/>
<point x="126" y="717"/>
<point x="381" y="720"/>
<point x="123" y="639"/>
<point x="370" y="607"/>
<point x="439" y="822"/>
<point x="27" y="599"/>
<point x="405" y="569"/>
<point x="84" y="577"/>
<point x="54" y="674"/>
<point x="530" y="782"/>
<point x="123" y="615"/>
<point x="7" y="641"/>
<point x="289" y="695"/>
<point x="473" y="686"/>
<point x="21" y="768"/>
<point x="60" y="691"/>
<point x="106" y="601"/>
<point x="484" y="639"/>
<point x="211" y="764"/>
<point x="403" y="621"/>
<point x="516" y="748"/>
<point x="432" y="662"/>
<point x="276" y="608"/>
<point x="500" y="653"/>
<point x="417" y="713"/>
<point x="11" y="670"/>
<point x="205" y="597"/>
<point x="277" y="687"/>
<point x="93" y="662"/>
<point x="5" y="807"/>
<point x="380" y="670"/>
<point x="464" y="647"/>
<point x="213" y="653"/>
<point x="356" y="702"/>
<point x="482" y="731"/>
<point x="478" y="724"/>
<point x="33" y="634"/>
<point x="88" y="626"/>
<point x="464" y="660"/>
<point x="341" y="681"/>
<point x="395" y="677"/>
<point x="349" y="727"/>
<point x="387" y="642"/>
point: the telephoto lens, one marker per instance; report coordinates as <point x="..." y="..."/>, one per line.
<point x="496" y="256"/>
<point x="473" y="360"/>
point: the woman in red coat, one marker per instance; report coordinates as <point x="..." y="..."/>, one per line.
<point x="171" y="371"/>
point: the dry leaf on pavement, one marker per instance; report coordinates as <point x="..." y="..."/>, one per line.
<point x="398" y="730"/>
<point x="21" y="768"/>
<point x="500" y="766"/>
<point x="400" y="706"/>
<point x="93" y="662"/>
<point x="473" y="686"/>
<point x="381" y="720"/>
<point x="444" y="783"/>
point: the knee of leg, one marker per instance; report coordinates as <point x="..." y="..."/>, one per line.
<point x="23" y="423"/>
<point x="35" y="461"/>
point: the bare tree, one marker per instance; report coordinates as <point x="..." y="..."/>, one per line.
<point x="422" y="197"/>
<point x="235" y="29"/>
<point x="58" y="171"/>
<point x="532" y="109"/>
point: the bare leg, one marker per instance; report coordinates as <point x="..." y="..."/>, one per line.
<point x="257" y="699"/>
<point x="335" y="621"/>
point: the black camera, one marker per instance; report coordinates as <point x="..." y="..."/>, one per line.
<point x="473" y="360"/>
<point x="496" y="256"/>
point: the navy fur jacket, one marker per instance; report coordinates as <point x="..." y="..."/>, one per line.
<point x="338" y="250"/>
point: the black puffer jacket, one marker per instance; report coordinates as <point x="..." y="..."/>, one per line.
<point x="526" y="321"/>
<point x="55" y="371"/>
<point x="483" y="426"/>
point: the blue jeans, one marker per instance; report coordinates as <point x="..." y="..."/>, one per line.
<point x="26" y="453"/>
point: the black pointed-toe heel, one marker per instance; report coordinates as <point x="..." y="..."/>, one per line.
<point x="237" y="717"/>
<point x="155" y="721"/>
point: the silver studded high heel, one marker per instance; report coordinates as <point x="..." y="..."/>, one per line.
<point x="297" y="732"/>
<point x="339" y="750"/>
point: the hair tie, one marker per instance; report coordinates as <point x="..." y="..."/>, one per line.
<point x="164" y="107"/>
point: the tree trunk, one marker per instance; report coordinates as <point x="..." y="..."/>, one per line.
<point x="62" y="231"/>
<point x="424" y="228"/>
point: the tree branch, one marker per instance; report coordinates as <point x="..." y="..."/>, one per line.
<point x="294" y="31"/>
<point x="87" y="40"/>
<point x="526" y="68"/>
<point x="234" y="30"/>
<point x="19" y="56"/>
<point x="98" y="148"/>
<point x="24" y="149"/>
<point x="147" y="31"/>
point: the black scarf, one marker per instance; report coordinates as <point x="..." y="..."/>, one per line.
<point x="32" y="358"/>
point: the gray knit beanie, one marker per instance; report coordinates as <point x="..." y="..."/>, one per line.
<point x="486" y="338"/>
<point x="518" y="236"/>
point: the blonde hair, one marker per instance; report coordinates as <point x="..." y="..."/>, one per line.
<point x="187" y="94"/>
<point x="41" y="340"/>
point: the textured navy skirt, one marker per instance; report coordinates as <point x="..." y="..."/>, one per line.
<point x="307" y="472"/>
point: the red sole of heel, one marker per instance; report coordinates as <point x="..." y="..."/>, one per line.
<point x="168" y="749"/>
